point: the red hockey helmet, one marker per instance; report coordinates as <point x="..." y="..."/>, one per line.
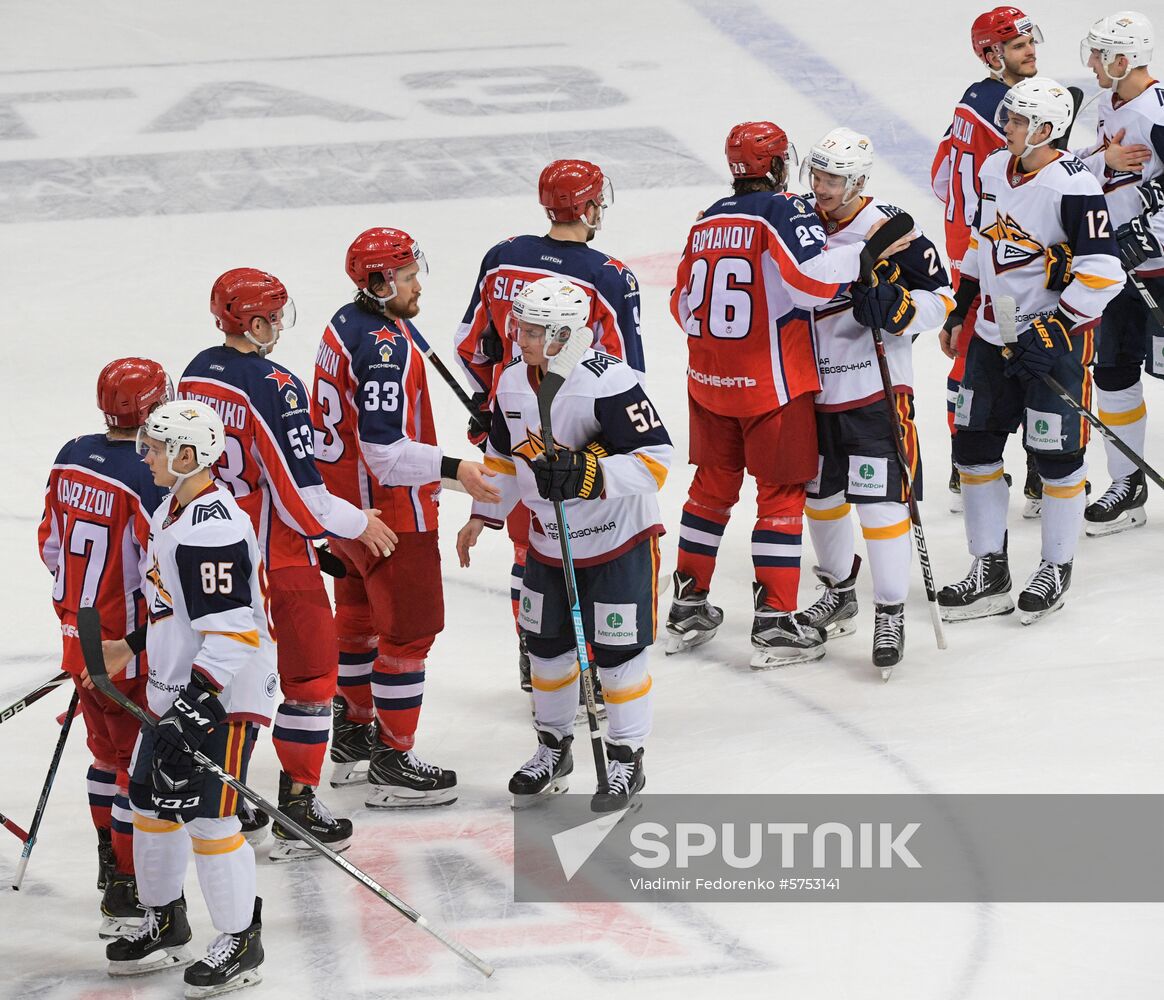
<point x="382" y="251"/>
<point x="990" y="31"/>
<point x="752" y="146"/>
<point x="245" y="292"/>
<point x="128" y="389"/>
<point x="566" y="187"/>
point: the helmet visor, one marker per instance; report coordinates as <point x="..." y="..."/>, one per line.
<point x="515" y="326"/>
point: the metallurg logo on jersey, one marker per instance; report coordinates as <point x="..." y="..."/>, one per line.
<point x="1013" y="246"/>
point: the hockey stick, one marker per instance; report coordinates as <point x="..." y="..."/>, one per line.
<point x="18" y="832"/>
<point x="1148" y="298"/>
<point x="450" y="380"/>
<point x="900" y="225"/>
<point x="1077" y="103"/>
<point x="34" y="826"/>
<point x="561" y="364"/>
<point x="89" y="628"/>
<point x="1004" y="314"/>
<point x="34" y="695"/>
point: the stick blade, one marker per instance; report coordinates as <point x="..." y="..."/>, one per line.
<point x="89" y="631"/>
<point x="1005" y="309"/>
<point x="896" y="227"/>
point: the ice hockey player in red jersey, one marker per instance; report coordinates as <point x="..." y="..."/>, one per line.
<point x="1004" y="40"/>
<point x="754" y="264"/>
<point x="93" y="539"/>
<point x="269" y="467"/>
<point x="377" y="447"/>
<point x="575" y="195"/>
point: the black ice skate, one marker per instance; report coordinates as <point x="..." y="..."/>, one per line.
<point x="121" y="913"/>
<point x="580" y="718"/>
<point x="351" y="746"/>
<point x="692" y="620"/>
<point x="1044" y="591"/>
<point x="524" y="668"/>
<point x="1032" y="490"/>
<point x="313" y="816"/>
<point x="158" y="943"/>
<point x="778" y="639"/>
<point x="624" y="778"/>
<point x="888" y="638"/>
<point x="398" y="779"/>
<point x="106" y="861"/>
<point x="957" y="504"/>
<point x="984" y="591"/>
<point x="1120" y="508"/>
<point x="837" y="607"/>
<point x="546" y="773"/>
<point x="254" y="822"/>
<point x="231" y="963"/>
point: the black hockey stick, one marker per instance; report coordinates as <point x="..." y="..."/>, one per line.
<point x="89" y="629"/>
<point x="30" y="840"/>
<point x="34" y="695"/>
<point x="450" y="380"/>
<point x="561" y="364"/>
<point x="899" y="225"/>
<point x="1077" y="103"/>
<point x="1004" y="314"/>
<point x="1148" y="298"/>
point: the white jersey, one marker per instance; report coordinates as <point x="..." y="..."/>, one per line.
<point x="846" y="358"/>
<point x="1142" y="121"/>
<point x="206" y="599"/>
<point x="1020" y="215"/>
<point x="600" y="402"/>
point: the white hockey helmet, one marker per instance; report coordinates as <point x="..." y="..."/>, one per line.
<point x="844" y="153"/>
<point x="1128" y="33"/>
<point x="1041" y="101"/>
<point x="184" y="423"/>
<point x="553" y="303"/>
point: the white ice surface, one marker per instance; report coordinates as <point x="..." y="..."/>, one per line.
<point x="1071" y="705"/>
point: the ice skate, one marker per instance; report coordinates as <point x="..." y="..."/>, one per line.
<point x="984" y="591"/>
<point x="957" y="504"/>
<point x="121" y="913"/>
<point x="254" y="823"/>
<point x="1045" y="591"/>
<point x="546" y="773"/>
<point x="778" y="639"/>
<point x="351" y="746"/>
<point x="158" y="943"/>
<point x="106" y="861"/>
<point x="835" y="610"/>
<point x="398" y="779"/>
<point x="231" y="963"/>
<point x="692" y="620"/>
<point x="1121" y="507"/>
<point x="311" y="814"/>
<point x="625" y="778"/>
<point x="888" y="638"/>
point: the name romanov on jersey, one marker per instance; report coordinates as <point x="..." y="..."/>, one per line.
<point x="731" y="237"/>
<point x="234" y="415"/>
<point x="82" y="496"/>
<point x="722" y="381"/>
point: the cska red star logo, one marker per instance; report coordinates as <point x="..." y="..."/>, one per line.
<point x="385" y="335"/>
<point x="614" y="262"/>
<point x="283" y="379"/>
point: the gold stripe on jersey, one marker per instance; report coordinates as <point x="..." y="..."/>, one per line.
<point x="1124" y="417"/>
<point x="620" y="696"/>
<point x="505" y="467"/>
<point x="250" y="638"/>
<point x="887" y="532"/>
<point x="656" y="469"/>
<point x="541" y="684"/>
<point x="1094" y="280"/>
<point x="832" y="514"/>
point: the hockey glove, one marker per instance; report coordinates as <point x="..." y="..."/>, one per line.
<point x="182" y="731"/>
<point x="1137" y="242"/>
<point x="1039" y="346"/>
<point x="883" y="304"/>
<point x="481" y="421"/>
<point x="571" y="475"/>
<point x="1152" y="195"/>
<point x="1057" y="264"/>
<point x="329" y="562"/>
<point x="491" y="346"/>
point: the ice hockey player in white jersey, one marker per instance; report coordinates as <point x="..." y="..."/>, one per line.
<point x="909" y="294"/>
<point x="1032" y="198"/>
<point x="211" y="683"/>
<point x="613" y="457"/>
<point x="1131" y="114"/>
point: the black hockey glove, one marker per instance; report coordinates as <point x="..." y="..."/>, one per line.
<point x="491" y="346"/>
<point x="571" y="475"/>
<point x="1137" y="242"/>
<point x="1039" y="346"/>
<point x="329" y="562"/>
<point x="1057" y="264"/>
<point x="481" y="420"/>
<point x="1152" y="195"/>
<point x="883" y="303"/>
<point x="179" y="733"/>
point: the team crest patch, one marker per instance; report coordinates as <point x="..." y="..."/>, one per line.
<point x="529" y="612"/>
<point x="385" y="352"/>
<point x="292" y="398"/>
<point x="271" y="684"/>
<point x="210" y="512"/>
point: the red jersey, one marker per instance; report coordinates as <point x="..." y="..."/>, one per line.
<point x="971" y="137"/>
<point x="93" y="538"/>
<point x="376" y="443"/>
<point x="754" y="265"/>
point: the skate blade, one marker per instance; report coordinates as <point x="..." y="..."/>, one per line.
<point x="178" y="958"/>
<point x="251" y="977"/>
<point x="769" y="660"/>
<point x="680" y="642"/>
<point x="1032" y="509"/>
<point x="998" y="604"/>
<point x="1030" y="617"/>
<point x="349" y="773"/>
<point x="1129" y="519"/>
<point x="393" y="797"/>
<point x="118" y="927"/>
<point x="556" y="787"/>
<point x="838" y="630"/>
<point x="283" y="851"/>
<point x="886" y="673"/>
